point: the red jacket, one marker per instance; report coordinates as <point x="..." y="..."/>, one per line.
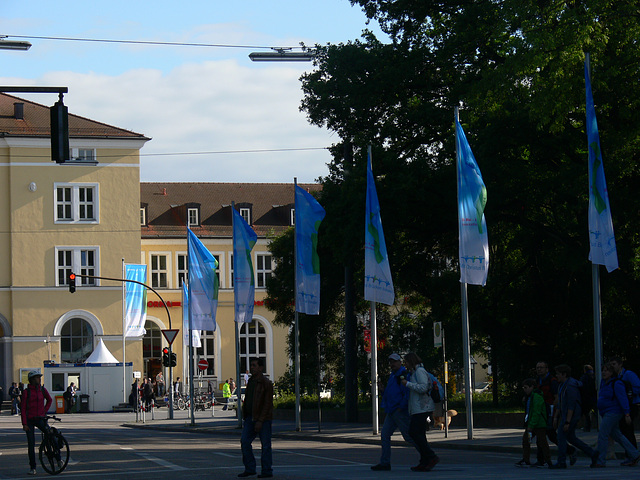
<point x="35" y="396"/>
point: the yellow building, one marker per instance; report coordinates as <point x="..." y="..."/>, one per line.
<point x="165" y="211"/>
<point x="80" y="216"/>
<point x="91" y="215"/>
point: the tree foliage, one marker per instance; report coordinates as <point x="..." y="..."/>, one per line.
<point x="515" y="69"/>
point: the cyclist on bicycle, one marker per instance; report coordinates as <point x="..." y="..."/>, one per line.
<point x="34" y="407"/>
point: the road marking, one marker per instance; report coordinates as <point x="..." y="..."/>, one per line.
<point x="319" y="457"/>
<point x="226" y="455"/>
<point x="161" y="462"/>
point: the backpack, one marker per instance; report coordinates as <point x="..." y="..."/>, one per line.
<point x="436" y="389"/>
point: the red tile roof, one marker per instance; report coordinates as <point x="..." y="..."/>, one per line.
<point x="166" y="205"/>
<point x="36" y="122"/>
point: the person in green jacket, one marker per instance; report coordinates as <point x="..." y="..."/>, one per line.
<point x="226" y="394"/>
<point x="535" y="423"/>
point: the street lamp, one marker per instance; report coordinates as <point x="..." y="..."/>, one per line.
<point x="282" y="55"/>
<point x="13" y="44"/>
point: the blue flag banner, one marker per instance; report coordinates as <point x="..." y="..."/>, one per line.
<point x="195" y="334"/>
<point x="308" y="216"/>
<point x="203" y="285"/>
<point x="601" y="238"/>
<point x="472" y="198"/>
<point x="135" y="300"/>
<point x="378" y="286"/>
<point x="244" y="239"/>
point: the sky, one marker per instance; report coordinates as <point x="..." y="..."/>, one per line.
<point x="197" y="104"/>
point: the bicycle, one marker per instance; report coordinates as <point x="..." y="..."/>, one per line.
<point x="54" y="449"/>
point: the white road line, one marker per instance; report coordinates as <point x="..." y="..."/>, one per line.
<point x="226" y="455"/>
<point x="161" y="462"/>
<point x="319" y="457"/>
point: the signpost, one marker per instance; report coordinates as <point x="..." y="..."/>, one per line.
<point x="203" y="364"/>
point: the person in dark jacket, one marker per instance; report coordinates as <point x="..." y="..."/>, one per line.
<point x="613" y="406"/>
<point x="590" y="397"/>
<point x="395" y="402"/>
<point x="631" y="380"/>
<point x="566" y="416"/>
<point x="34" y="406"/>
<point x="257" y="412"/>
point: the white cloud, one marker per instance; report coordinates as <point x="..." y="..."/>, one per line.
<point x="206" y="107"/>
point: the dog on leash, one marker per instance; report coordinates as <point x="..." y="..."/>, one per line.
<point x="439" y="421"/>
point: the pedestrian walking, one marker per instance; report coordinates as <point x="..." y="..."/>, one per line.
<point x="160" y="383"/>
<point x="34" y="406"/>
<point x="14" y="396"/>
<point x="632" y="386"/>
<point x="421" y="406"/>
<point x="257" y="412"/>
<point x="566" y="416"/>
<point x="395" y="402"/>
<point x="535" y="424"/>
<point x="226" y="394"/>
<point x="589" y="396"/>
<point x="548" y="385"/>
<point x="613" y="406"/>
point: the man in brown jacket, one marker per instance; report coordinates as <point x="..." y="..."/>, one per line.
<point x="257" y="412"/>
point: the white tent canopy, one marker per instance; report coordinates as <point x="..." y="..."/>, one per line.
<point x="101" y="354"/>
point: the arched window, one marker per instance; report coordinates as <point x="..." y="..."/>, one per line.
<point x="76" y="341"/>
<point x="152" y="341"/>
<point x="253" y="344"/>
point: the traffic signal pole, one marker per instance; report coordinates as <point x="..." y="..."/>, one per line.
<point x="72" y="288"/>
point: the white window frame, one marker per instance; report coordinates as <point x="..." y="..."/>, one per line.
<point x="246" y="214"/>
<point x="185" y="270"/>
<point x="167" y="270"/>
<point x="77" y="267"/>
<point x="292" y="220"/>
<point x="83" y="154"/>
<point x="196" y="214"/>
<point x="245" y="339"/>
<point x="261" y="272"/>
<point x="75" y="203"/>
<point x="203" y="353"/>
<point x="143" y="216"/>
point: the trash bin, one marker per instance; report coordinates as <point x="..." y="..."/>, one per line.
<point x="59" y="404"/>
<point x="84" y="403"/>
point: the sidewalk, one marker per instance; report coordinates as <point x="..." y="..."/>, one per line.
<point x="487" y="439"/>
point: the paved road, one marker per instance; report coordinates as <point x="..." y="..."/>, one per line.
<point x="105" y="449"/>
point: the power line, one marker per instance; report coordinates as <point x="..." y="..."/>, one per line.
<point x="218" y="152"/>
<point x="149" y="42"/>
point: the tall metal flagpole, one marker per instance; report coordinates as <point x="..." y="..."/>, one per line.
<point x="374" y="351"/>
<point x="465" y="321"/>
<point x="236" y="328"/>
<point x="124" y="331"/>
<point x="595" y="285"/>
<point x="296" y="332"/>
<point x="190" y="356"/>
<point x="444" y="385"/>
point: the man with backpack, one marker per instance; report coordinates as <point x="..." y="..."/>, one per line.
<point x="34" y="407"/>
<point x="632" y="387"/>
<point x="395" y="402"/>
<point x="566" y="416"/>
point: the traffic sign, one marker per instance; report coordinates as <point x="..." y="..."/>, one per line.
<point x="170" y="334"/>
<point x="203" y="364"/>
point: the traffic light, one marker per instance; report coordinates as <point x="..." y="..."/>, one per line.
<point x="72" y="283"/>
<point x="165" y="357"/>
<point x="173" y="360"/>
<point x="59" y="132"/>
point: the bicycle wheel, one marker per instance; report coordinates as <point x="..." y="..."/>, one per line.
<point x="52" y="446"/>
<point x="180" y="404"/>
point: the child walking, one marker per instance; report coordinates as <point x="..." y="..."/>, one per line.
<point x="535" y="423"/>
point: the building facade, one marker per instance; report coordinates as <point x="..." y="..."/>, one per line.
<point x="80" y="216"/>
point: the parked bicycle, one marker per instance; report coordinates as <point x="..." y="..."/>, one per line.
<point x="54" y="449"/>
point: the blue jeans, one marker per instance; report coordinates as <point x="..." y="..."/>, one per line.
<point x="32" y="423"/>
<point x="248" y="436"/>
<point x="399" y="419"/>
<point x="570" y="437"/>
<point x="609" y="428"/>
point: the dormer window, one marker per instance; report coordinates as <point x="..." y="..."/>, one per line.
<point x="292" y="219"/>
<point x="245" y="213"/>
<point x="83" y="154"/>
<point x="193" y="217"/>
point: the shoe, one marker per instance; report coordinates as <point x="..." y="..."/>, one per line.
<point x="523" y="463"/>
<point x="630" y="463"/>
<point x="594" y="458"/>
<point x="596" y="465"/>
<point x="573" y="458"/>
<point x="432" y="463"/>
<point x="419" y="468"/>
<point x="32" y="471"/>
<point x="246" y="474"/>
<point x="557" y="466"/>
<point x="537" y="465"/>
<point x="265" y="475"/>
<point x="380" y="467"/>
